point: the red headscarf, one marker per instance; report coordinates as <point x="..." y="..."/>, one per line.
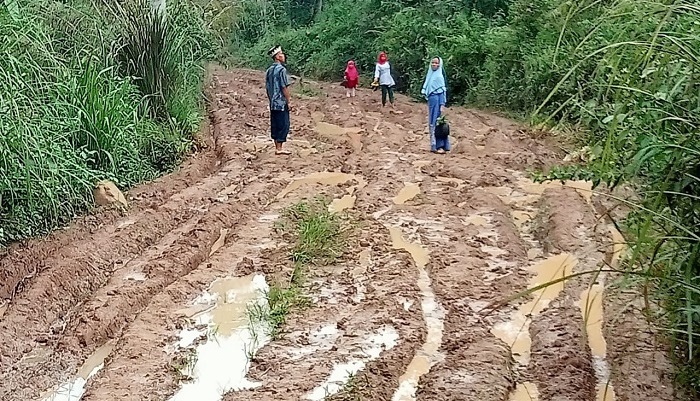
<point x="382" y="58"/>
<point x="351" y="71"/>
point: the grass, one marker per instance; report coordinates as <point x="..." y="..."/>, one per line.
<point x="319" y="240"/>
<point x="184" y="364"/>
<point x="356" y="389"/>
<point x="91" y="91"/>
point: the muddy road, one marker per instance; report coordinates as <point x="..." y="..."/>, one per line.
<point x="120" y="304"/>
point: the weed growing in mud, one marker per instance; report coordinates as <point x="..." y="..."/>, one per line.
<point x="318" y="238"/>
<point x="184" y="364"/>
<point x="353" y="390"/>
<point x="318" y="233"/>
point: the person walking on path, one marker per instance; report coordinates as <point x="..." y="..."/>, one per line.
<point x="352" y="78"/>
<point x="277" y="87"/>
<point x="435" y="92"/>
<point x="382" y="76"/>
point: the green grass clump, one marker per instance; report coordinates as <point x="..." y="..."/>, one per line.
<point x="91" y="91"/>
<point x="319" y="240"/>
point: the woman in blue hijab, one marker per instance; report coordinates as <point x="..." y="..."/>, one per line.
<point x="435" y="91"/>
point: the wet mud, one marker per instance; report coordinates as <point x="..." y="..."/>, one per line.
<point x="152" y="303"/>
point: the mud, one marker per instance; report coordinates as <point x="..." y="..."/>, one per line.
<point x="129" y="305"/>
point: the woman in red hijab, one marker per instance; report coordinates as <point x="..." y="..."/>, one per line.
<point x="382" y="76"/>
<point x="352" y="78"/>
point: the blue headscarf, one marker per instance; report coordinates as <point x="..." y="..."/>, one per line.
<point x="435" y="81"/>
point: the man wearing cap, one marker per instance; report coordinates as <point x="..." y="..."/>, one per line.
<point x="277" y="86"/>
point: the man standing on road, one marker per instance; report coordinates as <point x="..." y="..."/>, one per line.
<point x="277" y="86"/>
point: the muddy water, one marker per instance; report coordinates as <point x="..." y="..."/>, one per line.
<point x="476" y="220"/>
<point x="515" y="332"/>
<point x="344" y="203"/>
<point x="408" y="192"/>
<point x="521" y="218"/>
<point x="526" y="391"/>
<point x="591" y="305"/>
<point x="221" y="363"/>
<point x="619" y="246"/>
<point x="433" y="314"/>
<point x="74" y="389"/>
<point x="322" y="178"/>
<point x="385" y="339"/>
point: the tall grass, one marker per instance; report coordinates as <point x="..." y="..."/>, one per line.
<point x="77" y="89"/>
<point x="641" y="106"/>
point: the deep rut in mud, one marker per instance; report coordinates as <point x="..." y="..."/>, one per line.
<point x="124" y="306"/>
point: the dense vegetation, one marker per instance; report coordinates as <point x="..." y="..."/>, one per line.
<point x="91" y="91"/>
<point x="94" y="90"/>
<point x="621" y="74"/>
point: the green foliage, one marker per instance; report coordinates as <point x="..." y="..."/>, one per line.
<point x="77" y="94"/>
<point x="318" y="240"/>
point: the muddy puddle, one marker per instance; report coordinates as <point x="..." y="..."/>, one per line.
<point x="526" y="391"/>
<point x="619" y="246"/>
<point x="433" y="313"/>
<point x="322" y="178"/>
<point x="409" y="191"/>
<point x="385" y="339"/>
<point x="477" y="220"/>
<point x="591" y="305"/>
<point x="337" y="133"/>
<point x="73" y="390"/>
<point x="229" y="337"/>
<point x="515" y="332"/>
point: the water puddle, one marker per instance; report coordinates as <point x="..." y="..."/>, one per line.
<point x="619" y="245"/>
<point x="521" y="218"/>
<point x="74" y="389"/>
<point x="338" y="133"/>
<point x="516" y="331"/>
<point x="317" y="116"/>
<point x="385" y="339"/>
<point x="477" y="220"/>
<point x="534" y="253"/>
<point x="584" y="188"/>
<point x="433" y="314"/>
<point x="526" y="391"/>
<point x="338" y="205"/>
<point x="323" y="338"/>
<point x="605" y="393"/>
<point x="450" y="180"/>
<point x="37" y="355"/>
<point x="322" y="178"/>
<point x="421" y="163"/>
<point x="591" y="305"/>
<point x="405" y="302"/>
<point x="221" y="363"/>
<point x="408" y="192"/>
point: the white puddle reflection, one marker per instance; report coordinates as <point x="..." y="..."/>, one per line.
<point x="385" y="339"/>
<point x="221" y="363"/>
<point x="74" y="389"/>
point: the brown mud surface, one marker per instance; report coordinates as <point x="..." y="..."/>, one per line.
<point x="404" y="314"/>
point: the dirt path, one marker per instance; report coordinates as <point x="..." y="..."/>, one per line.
<point x="98" y="310"/>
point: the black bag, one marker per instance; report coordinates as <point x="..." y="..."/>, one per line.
<point x="442" y="131"/>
